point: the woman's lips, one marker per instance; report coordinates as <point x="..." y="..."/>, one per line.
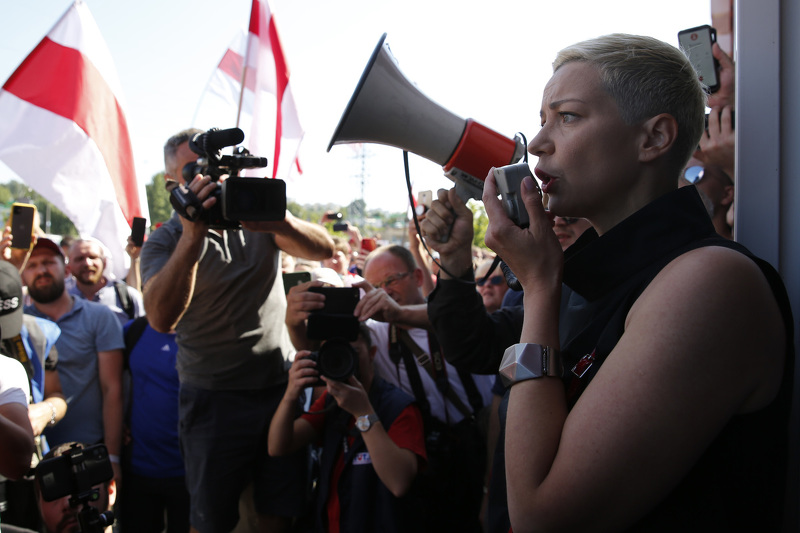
<point x="546" y="179"/>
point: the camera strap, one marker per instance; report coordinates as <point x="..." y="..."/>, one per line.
<point x="433" y="364"/>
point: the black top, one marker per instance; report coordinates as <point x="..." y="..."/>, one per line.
<point x="738" y="483"/>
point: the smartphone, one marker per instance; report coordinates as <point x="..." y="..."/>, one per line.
<point x="340" y="226"/>
<point x="21" y="222"/>
<point x="290" y="279"/>
<point x="333" y="216"/>
<point x="76" y="471"/>
<point x="137" y="230"/>
<point x="696" y="43"/>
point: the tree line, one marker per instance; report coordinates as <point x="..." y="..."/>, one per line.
<point x="375" y="222"/>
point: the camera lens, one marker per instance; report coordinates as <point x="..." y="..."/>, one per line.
<point x="337" y="360"/>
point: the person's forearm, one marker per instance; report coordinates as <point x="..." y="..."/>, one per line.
<point x="112" y="418"/>
<point x="396" y="467"/>
<point x="303" y="239"/>
<point x="16" y="444"/>
<point x="299" y="339"/>
<point x="168" y="293"/>
<point x="51" y="409"/>
<point x="471" y="339"/>
<point x="281" y="430"/>
<point x="414" y="316"/>
<point x="134" y="278"/>
<point x="531" y="447"/>
<point x="455" y="264"/>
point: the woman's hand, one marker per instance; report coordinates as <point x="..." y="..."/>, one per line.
<point x="533" y="253"/>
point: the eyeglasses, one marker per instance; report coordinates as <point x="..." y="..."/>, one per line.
<point x="568" y="221"/>
<point x="694" y="174"/>
<point x="494" y="280"/>
<point x="391" y="280"/>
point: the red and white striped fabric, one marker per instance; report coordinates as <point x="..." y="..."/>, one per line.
<point x="63" y="131"/>
<point x="267" y="96"/>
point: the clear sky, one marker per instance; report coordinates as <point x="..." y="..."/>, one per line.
<point x="483" y="60"/>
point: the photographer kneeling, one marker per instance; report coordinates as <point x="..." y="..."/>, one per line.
<point x="372" y="442"/>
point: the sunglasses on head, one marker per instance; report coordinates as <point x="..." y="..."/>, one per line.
<point x="494" y="280"/>
<point x="694" y="174"/>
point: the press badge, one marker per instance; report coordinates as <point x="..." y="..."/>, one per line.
<point x="362" y="458"/>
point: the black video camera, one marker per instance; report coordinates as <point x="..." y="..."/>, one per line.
<point x="238" y="198"/>
<point x="338" y="327"/>
<point x="76" y="473"/>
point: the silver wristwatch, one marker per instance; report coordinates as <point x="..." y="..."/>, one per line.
<point x="529" y="361"/>
<point x="364" y="422"/>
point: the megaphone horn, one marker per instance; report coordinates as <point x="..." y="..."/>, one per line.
<point x="386" y="108"/>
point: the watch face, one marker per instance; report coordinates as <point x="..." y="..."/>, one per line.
<point x="362" y="423"/>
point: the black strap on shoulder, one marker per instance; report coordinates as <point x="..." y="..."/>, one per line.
<point x="132" y="335"/>
<point x="434" y="365"/>
<point x="400" y="351"/>
<point x="124" y="296"/>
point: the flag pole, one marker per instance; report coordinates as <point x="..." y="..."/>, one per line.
<point x="244" y="67"/>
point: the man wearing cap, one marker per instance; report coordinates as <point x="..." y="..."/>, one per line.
<point x="87" y="264"/>
<point x="89" y="354"/>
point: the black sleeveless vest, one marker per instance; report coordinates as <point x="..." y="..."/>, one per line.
<point x="738" y="484"/>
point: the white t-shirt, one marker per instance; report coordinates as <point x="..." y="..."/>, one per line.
<point x="442" y="409"/>
<point x="14" y="384"/>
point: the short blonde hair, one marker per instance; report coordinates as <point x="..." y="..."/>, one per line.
<point x="647" y="77"/>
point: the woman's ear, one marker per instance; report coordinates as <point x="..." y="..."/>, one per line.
<point x="658" y="134"/>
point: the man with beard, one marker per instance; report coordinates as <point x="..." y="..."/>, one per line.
<point x="87" y="264"/>
<point x="89" y="354"/>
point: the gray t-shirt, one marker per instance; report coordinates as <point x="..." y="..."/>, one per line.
<point x="87" y="329"/>
<point x="232" y="336"/>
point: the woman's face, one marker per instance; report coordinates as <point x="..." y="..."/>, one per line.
<point x="588" y="156"/>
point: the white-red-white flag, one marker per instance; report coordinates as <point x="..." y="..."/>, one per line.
<point x="63" y="132"/>
<point x="267" y="111"/>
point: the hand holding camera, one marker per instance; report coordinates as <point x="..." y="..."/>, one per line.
<point x="237" y="199"/>
<point x="350" y="395"/>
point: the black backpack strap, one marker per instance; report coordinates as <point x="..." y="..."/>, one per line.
<point x="124" y="296"/>
<point x="132" y="335"/>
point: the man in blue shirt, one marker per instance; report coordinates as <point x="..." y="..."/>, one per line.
<point x="89" y="354"/>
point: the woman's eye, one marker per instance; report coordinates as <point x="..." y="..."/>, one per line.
<point x="566" y="117"/>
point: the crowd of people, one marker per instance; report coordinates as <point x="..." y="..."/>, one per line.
<point x="637" y="379"/>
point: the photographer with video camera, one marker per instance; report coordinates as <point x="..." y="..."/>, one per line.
<point x="221" y="289"/>
<point x="371" y="435"/>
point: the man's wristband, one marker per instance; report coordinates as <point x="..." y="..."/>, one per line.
<point x="529" y="361"/>
<point x="113" y="458"/>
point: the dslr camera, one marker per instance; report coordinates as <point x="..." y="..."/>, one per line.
<point x="75" y="473"/>
<point x="338" y="327"/>
<point x="238" y="198"/>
